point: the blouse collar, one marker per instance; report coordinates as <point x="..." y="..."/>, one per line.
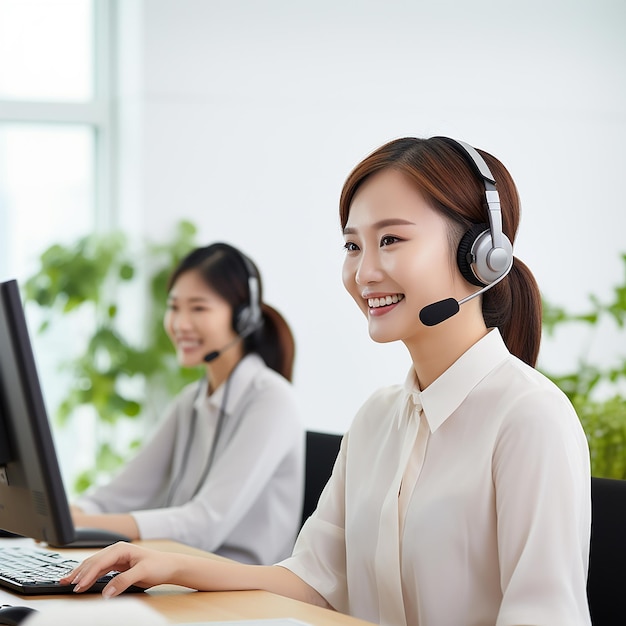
<point x="444" y="395"/>
<point x="239" y="378"/>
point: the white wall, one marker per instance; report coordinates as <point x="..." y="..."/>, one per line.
<point x="246" y="117"/>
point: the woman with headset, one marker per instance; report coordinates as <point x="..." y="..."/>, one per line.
<point x="225" y="470"/>
<point x="461" y="496"/>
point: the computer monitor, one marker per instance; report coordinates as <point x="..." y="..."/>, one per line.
<point x="33" y="502"/>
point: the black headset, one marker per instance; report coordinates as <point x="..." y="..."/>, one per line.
<point x="485" y="253"/>
<point x="248" y="318"/>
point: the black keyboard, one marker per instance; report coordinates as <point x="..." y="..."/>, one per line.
<point x="31" y="571"/>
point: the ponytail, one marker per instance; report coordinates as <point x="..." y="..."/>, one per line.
<point x="274" y="342"/>
<point x="514" y="306"/>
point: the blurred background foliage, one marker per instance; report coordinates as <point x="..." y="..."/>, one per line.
<point x="115" y="372"/>
<point x="597" y="391"/>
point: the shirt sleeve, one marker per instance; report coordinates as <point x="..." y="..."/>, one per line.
<point x="140" y="481"/>
<point x="319" y="556"/>
<point x="541" y="474"/>
<point x="268" y="429"/>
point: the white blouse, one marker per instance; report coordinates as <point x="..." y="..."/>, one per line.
<point x="497" y="528"/>
<point x="249" y="505"/>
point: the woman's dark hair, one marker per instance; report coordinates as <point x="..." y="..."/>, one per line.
<point x="227" y="271"/>
<point x="449" y="183"/>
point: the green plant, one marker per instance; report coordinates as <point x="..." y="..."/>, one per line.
<point x="596" y="390"/>
<point x="115" y="372"/>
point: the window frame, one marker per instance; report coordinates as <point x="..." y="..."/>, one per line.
<point x="97" y="113"/>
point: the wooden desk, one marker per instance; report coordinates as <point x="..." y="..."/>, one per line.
<point x="180" y="605"/>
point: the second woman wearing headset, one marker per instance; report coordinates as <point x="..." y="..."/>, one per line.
<point x="225" y="470"/>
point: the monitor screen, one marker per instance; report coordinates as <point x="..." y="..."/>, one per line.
<point x="33" y="502"/>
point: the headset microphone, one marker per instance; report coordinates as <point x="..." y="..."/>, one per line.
<point x="211" y="356"/>
<point x="485" y="254"/>
<point x="437" y="312"/>
<point x="440" y="311"/>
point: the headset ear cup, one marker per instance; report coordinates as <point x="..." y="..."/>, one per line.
<point x="242" y="319"/>
<point x="464" y="255"/>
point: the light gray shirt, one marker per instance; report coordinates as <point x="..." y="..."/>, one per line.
<point x="249" y="505"/>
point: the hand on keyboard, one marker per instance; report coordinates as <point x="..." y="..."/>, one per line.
<point x="34" y="571"/>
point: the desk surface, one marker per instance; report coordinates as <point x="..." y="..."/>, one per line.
<point x="180" y="605"/>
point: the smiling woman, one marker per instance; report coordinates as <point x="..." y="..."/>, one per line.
<point x="224" y="471"/>
<point x="198" y="320"/>
<point x="384" y="255"/>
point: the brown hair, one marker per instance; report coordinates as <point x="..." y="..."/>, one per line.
<point x="227" y="270"/>
<point x="445" y="176"/>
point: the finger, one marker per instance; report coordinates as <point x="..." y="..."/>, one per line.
<point x="116" y="557"/>
<point x="121" y="582"/>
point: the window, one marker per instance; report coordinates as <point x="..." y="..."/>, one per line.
<point x="54" y="126"/>
<point x="47" y="174"/>
<point x="46" y="50"/>
<point x="55" y="145"/>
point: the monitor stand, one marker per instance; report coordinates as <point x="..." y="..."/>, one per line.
<point x="92" y="538"/>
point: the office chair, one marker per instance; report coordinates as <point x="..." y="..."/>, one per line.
<point x="321" y="452"/>
<point x="606" y="583"/>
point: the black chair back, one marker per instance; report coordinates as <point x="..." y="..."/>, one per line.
<point x="606" y="584"/>
<point x="321" y="452"/>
